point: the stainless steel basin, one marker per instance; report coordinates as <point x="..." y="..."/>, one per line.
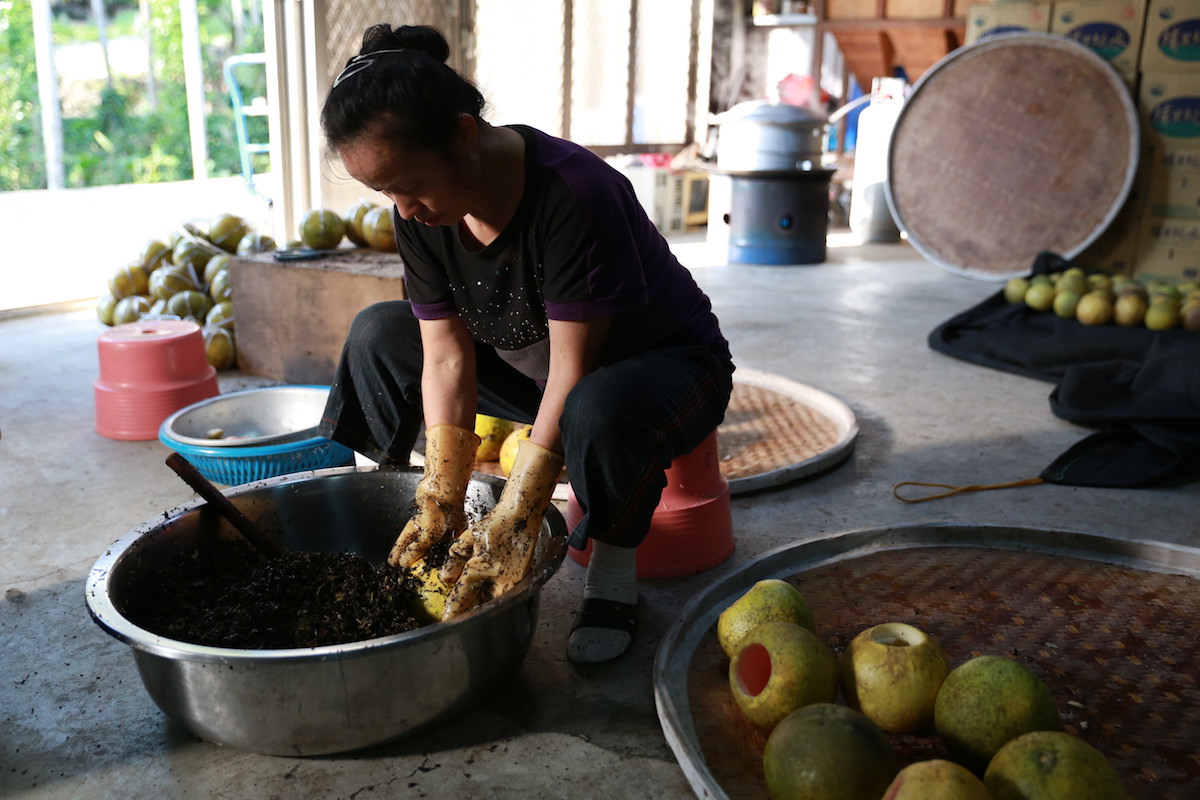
<point x="335" y="698"/>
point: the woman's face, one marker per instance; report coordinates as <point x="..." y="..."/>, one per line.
<point x="424" y="185"/>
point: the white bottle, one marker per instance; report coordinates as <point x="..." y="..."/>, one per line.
<point x="870" y="217"/>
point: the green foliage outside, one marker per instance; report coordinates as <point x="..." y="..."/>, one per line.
<point x="126" y="139"/>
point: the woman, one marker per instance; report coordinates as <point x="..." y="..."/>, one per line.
<point x="539" y="292"/>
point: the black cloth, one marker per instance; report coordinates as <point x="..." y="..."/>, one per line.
<point x="1140" y="388"/>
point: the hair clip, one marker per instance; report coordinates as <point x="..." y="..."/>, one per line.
<point x="358" y="63"/>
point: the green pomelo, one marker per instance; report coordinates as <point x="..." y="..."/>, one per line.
<point x="220" y="347"/>
<point x="1162" y="315"/>
<point x="768" y="600"/>
<point x="220" y="314"/>
<point x="221" y="288"/>
<point x="828" y="752"/>
<point x="322" y="229"/>
<point x="189" y="304"/>
<point x="1015" y="289"/>
<point x="169" y="281"/>
<point x="154" y="254"/>
<point x="1094" y="308"/>
<point x="1052" y="765"/>
<point x="105" y="308"/>
<point x="779" y="668"/>
<point x="226" y="230"/>
<point x="128" y="281"/>
<point x="1040" y="296"/>
<point x="353" y="219"/>
<point x="1130" y="309"/>
<point x="215" y="265"/>
<point x="892" y="673"/>
<point x="987" y="702"/>
<point x="1065" y="303"/>
<point x="377" y="229"/>
<point x="253" y="243"/>
<point x="937" y="779"/>
<point x="130" y="309"/>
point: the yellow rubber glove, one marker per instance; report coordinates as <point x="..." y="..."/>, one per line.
<point x="501" y="545"/>
<point x="441" y="493"/>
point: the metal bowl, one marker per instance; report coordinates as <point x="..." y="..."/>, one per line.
<point x="252" y="417"/>
<point x="319" y="700"/>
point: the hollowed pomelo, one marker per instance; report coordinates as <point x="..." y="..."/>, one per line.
<point x="892" y="673"/>
<point x="779" y="668"/>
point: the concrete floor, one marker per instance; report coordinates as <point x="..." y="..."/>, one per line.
<point x="75" y="720"/>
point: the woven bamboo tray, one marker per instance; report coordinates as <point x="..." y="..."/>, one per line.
<point x="1014" y="145"/>
<point x="1107" y="624"/>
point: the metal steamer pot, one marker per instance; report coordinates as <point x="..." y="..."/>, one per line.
<point x="760" y="136"/>
<point x="336" y="698"/>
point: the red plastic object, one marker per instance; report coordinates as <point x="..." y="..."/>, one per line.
<point x="148" y="371"/>
<point x="692" y="528"/>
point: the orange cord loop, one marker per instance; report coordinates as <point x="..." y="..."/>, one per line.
<point x="953" y="490"/>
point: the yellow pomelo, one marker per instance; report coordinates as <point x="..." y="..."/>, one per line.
<point x="779" y="668"/>
<point x="492" y="431"/>
<point x="1162" y="315"/>
<point x="1015" y="289"/>
<point x="432" y="593"/>
<point x="770" y="600"/>
<point x="828" y="752"/>
<point x="1040" y="296"/>
<point x="892" y="673"/>
<point x="508" y="450"/>
<point x="936" y="780"/>
<point x="985" y="703"/>
<point x="322" y="229"/>
<point x="1094" y="308"/>
<point x="1052" y="765"/>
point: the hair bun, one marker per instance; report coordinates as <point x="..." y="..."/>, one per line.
<point x="421" y="38"/>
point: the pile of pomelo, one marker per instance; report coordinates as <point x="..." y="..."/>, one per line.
<point x="997" y="721"/>
<point x="499" y="440"/>
<point x="185" y="275"/>
<point x="1100" y="299"/>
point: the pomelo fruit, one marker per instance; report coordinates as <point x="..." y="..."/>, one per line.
<point x="779" y="668"/>
<point x="828" y="752"/>
<point x="378" y="231"/>
<point x="129" y="280"/>
<point x="353" y="219"/>
<point x="508" y="450"/>
<point x="1052" y="765"/>
<point x="191" y="251"/>
<point x="130" y="309"/>
<point x="1040" y="296"/>
<point x="171" y="280"/>
<point x="985" y="703"/>
<point x="1094" y="308"/>
<point x="937" y="779"/>
<point x="214" y="265"/>
<point x="157" y="309"/>
<point x="220" y="347"/>
<point x="1015" y="289"/>
<point x="253" y="243"/>
<point x="892" y="673"/>
<point x="220" y="314"/>
<point x="226" y="230"/>
<point x="492" y="431"/>
<point x="1130" y="309"/>
<point x="154" y="254"/>
<point x="1189" y="315"/>
<point x="221" y="288"/>
<point x="189" y="304"/>
<point x="1162" y="315"/>
<point x="322" y="229"/>
<point x="1065" y="303"/>
<point x="769" y="600"/>
<point x="432" y="594"/>
<point x="105" y="308"/>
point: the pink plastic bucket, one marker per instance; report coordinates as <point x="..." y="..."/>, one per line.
<point x="692" y="527"/>
<point x="148" y="371"/>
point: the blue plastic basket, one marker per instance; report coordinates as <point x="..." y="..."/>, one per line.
<point x="233" y="466"/>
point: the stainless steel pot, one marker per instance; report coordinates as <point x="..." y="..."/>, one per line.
<point x="762" y="136"/>
<point x="331" y="699"/>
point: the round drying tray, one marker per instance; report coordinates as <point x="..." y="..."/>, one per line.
<point x="1107" y="623"/>
<point x="1011" y="146"/>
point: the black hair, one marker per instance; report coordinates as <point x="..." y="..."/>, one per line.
<point x="407" y="93"/>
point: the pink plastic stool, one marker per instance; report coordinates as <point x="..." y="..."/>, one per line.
<point x="692" y="527"/>
<point x="148" y="371"/>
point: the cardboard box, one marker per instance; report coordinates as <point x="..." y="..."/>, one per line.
<point x="1173" y="182"/>
<point x="1112" y="28"/>
<point x="991" y="19"/>
<point x="1168" y="248"/>
<point x="293" y="317"/>
<point x="1169" y="105"/>
<point x="1171" y="38"/>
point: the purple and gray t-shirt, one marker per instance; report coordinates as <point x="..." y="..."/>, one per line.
<point x="580" y="246"/>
